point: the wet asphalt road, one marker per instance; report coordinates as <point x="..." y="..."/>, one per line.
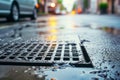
<point x="101" y="33"/>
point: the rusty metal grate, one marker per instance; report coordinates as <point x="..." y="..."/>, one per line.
<point x="44" y="54"/>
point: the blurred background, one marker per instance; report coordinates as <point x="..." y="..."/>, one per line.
<point x="79" y="6"/>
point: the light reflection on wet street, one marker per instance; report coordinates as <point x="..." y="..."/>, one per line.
<point x="102" y="44"/>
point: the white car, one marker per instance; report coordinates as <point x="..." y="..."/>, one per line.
<point x="15" y="9"/>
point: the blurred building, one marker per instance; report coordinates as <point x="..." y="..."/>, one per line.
<point x="79" y="4"/>
<point x="117" y="6"/>
<point x="93" y="6"/>
<point x="113" y="6"/>
<point x="47" y="6"/>
<point x="82" y="5"/>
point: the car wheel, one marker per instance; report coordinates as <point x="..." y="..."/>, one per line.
<point x="14" y="15"/>
<point x="34" y="15"/>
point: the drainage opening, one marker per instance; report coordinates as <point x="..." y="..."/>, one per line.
<point x="45" y="54"/>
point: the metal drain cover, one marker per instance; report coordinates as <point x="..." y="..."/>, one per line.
<point x="44" y="54"/>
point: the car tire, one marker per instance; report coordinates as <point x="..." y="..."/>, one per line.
<point x="34" y="14"/>
<point x="14" y="14"/>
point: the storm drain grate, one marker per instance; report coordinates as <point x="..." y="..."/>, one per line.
<point x="44" y="54"/>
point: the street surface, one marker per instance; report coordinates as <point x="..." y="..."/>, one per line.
<point x="100" y="35"/>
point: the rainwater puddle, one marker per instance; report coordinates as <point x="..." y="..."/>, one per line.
<point x="108" y="29"/>
<point x="66" y="72"/>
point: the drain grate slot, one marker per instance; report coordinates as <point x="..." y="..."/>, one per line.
<point x="44" y="54"/>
